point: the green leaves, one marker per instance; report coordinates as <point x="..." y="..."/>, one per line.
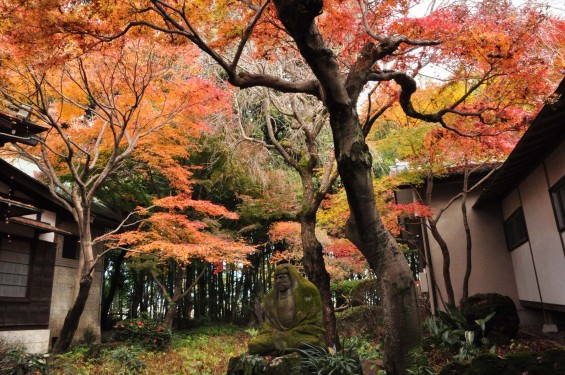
<point x="323" y="361"/>
<point x="148" y="333"/>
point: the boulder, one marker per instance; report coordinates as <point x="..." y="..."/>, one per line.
<point x="503" y="326"/>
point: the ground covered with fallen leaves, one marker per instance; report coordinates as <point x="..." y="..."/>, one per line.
<point x="204" y="351"/>
<point x="526" y="340"/>
<point x="207" y="350"/>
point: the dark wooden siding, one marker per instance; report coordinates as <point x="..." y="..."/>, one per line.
<point x="33" y="310"/>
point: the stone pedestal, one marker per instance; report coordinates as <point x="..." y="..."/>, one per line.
<point x="246" y="364"/>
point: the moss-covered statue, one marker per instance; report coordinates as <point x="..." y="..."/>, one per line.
<point x="293" y="311"/>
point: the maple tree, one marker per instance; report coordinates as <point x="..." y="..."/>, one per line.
<point x="294" y="127"/>
<point x="343" y="260"/>
<point x="170" y="235"/>
<point x="99" y="107"/>
<point x="437" y="161"/>
<point x="434" y="152"/>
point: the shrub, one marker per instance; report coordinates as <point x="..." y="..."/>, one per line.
<point x="355" y="292"/>
<point x="455" y="368"/>
<point x="150" y="334"/>
<point x="325" y="362"/>
<point x="128" y="359"/>
<point x="364" y="348"/>
<point x="14" y="360"/>
<point x="361" y="321"/>
<point x="89" y="336"/>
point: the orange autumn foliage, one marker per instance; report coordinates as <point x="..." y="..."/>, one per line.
<point x="341" y="257"/>
<point x="174" y="236"/>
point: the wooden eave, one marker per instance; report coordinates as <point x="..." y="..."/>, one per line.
<point x="103" y="216"/>
<point x="13" y="129"/>
<point x="14" y="125"/>
<point x="28" y="139"/>
<point x="546" y="132"/>
<point x="31" y="187"/>
<point x="37" y="225"/>
<point x="11" y="208"/>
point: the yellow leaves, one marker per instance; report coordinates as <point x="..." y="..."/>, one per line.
<point x="288" y="231"/>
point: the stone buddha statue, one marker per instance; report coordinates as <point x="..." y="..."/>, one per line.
<point x="293" y="311"/>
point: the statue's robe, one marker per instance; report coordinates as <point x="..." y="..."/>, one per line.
<point x="280" y="333"/>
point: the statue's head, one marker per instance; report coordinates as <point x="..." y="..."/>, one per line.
<point x="285" y="277"/>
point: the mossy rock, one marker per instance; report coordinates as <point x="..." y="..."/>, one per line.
<point x="487" y="364"/>
<point x="554" y="361"/>
<point x="523" y="362"/>
<point x="503" y="326"/>
<point x="455" y="368"/>
<point x="290" y="364"/>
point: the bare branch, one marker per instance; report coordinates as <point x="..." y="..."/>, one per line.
<point x="364" y="5"/>
<point x="408" y="87"/>
<point x="268" y="123"/>
<point x="244" y="136"/>
<point x="122" y="224"/>
<point x="247" y="34"/>
<point x="187" y="290"/>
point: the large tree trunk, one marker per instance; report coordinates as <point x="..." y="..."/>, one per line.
<point x="72" y="319"/>
<point x="177" y="295"/>
<point x="397" y="287"/>
<point x="365" y="229"/>
<point x="316" y="270"/>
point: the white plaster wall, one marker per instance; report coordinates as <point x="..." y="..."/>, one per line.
<point x="525" y="274"/>
<point x="33" y="340"/>
<point x="545" y="241"/>
<point x="492" y="265"/>
<point x="65" y="289"/>
<point x="50" y="218"/>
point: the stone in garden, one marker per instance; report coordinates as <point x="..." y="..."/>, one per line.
<point x="293" y="311"/>
<point x="503" y="326"/>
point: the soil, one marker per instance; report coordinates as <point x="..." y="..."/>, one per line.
<point x="526" y="340"/>
<point x="554" y="340"/>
